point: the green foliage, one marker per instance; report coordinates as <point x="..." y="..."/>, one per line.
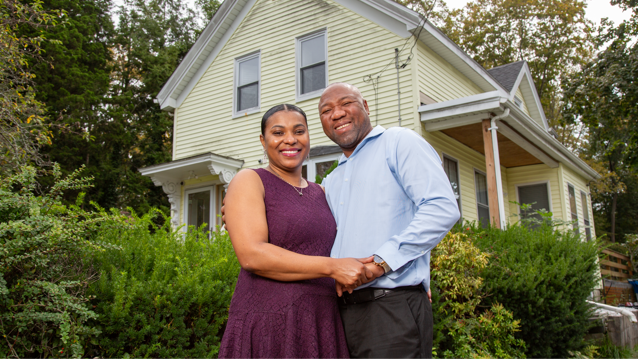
<point x="544" y="277"/>
<point x="462" y="328"/>
<point x="553" y="36"/>
<point x="319" y="179"/>
<point x="608" y="350"/>
<point x="22" y="130"/>
<point x="43" y="271"/>
<point x="165" y="293"/>
<point x="604" y="97"/>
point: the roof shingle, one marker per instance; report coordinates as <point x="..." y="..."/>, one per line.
<point x="506" y="75"/>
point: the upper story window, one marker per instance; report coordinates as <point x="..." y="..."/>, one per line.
<point x="247" y="84"/>
<point x="518" y="102"/>
<point x="312" y="71"/>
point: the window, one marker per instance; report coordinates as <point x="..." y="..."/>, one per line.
<point x="518" y="102"/>
<point x="312" y="74"/>
<point x="247" y="87"/>
<point x="198" y="209"/>
<point x="583" y="202"/>
<point x="482" y="204"/>
<point x="572" y="207"/>
<point x="314" y="167"/>
<point x="451" y="168"/>
<point x="535" y="195"/>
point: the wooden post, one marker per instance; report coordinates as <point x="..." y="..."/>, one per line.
<point x="492" y="195"/>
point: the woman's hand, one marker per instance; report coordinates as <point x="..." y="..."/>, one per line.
<point x="349" y="273"/>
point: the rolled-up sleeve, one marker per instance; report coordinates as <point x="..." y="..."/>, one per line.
<point x="418" y="169"/>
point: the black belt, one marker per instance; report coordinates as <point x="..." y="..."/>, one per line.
<point x="370" y="294"/>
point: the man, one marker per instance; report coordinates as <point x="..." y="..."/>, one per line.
<point x="391" y="199"/>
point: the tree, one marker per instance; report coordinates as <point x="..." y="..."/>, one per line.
<point x="604" y="97"/>
<point x="553" y="36"/>
<point x="22" y="130"/>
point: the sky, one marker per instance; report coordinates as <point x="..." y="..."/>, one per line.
<point x="596" y="9"/>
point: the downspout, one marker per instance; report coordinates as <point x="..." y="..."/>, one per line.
<point x="497" y="167"/>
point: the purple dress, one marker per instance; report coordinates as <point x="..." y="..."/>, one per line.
<point x="273" y="319"/>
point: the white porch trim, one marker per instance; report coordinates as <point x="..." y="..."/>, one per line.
<point x="170" y="175"/>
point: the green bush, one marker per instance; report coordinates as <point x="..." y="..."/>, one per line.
<point x="43" y="271"/>
<point x="462" y="328"/>
<point x="164" y="293"/>
<point x="543" y="276"/>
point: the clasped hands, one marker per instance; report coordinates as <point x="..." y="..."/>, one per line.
<point x="350" y="273"/>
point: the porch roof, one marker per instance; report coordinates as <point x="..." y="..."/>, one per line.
<point x="518" y="130"/>
<point x="199" y="165"/>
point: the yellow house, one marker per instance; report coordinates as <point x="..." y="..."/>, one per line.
<point x="487" y="125"/>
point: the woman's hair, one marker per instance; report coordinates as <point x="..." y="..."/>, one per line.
<point x="283" y="107"/>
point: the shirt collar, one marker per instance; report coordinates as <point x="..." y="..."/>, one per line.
<point x="376" y="132"/>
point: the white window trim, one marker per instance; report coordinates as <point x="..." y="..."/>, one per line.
<point x="213" y="214"/>
<point x="549" y="194"/>
<point x="311" y="169"/>
<point x="578" y="226"/>
<point x="458" y="173"/>
<point x="310" y="95"/>
<point x="250" y="56"/>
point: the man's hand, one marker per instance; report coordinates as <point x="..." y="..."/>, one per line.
<point x="372" y="272"/>
<point x="430" y="295"/>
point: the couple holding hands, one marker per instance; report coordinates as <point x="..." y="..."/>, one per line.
<point x="340" y="270"/>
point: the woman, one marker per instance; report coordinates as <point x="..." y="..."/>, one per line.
<point x="282" y="230"/>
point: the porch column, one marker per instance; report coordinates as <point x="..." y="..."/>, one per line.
<point x="490" y="168"/>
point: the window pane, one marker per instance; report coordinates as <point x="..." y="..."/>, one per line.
<point x="481" y="188"/>
<point x="313" y="78"/>
<point x="322" y="167"/>
<point x="583" y="201"/>
<point x="198" y="208"/>
<point x="313" y="51"/>
<point x="451" y="170"/>
<point x="248" y="71"/>
<point x="247" y="97"/>
<point x="484" y="215"/>
<point x="536" y="196"/>
<point x="304" y="172"/>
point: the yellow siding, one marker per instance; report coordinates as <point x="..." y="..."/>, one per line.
<point x="534" y="174"/>
<point x="468" y="160"/>
<point x="440" y="80"/>
<point x="356" y="47"/>
<point x="580" y="184"/>
<point x="519" y="94"/>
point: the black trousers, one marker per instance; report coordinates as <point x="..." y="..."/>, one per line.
<point x="398" y="325"/>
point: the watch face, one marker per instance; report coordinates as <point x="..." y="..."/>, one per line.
<point x="377" y="259"/>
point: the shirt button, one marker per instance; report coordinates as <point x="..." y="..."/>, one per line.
<point x="346" y="180"/>
<point x="422" y="252"/>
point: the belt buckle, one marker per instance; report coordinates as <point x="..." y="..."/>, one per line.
<point x="378" y="293"/>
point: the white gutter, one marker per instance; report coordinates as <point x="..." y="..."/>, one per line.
<point x="497" y="167"/>
<point x="622" y="311"/>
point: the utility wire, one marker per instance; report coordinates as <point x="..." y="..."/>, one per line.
<point x="374" y="77"/>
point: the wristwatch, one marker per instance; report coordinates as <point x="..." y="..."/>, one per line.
<point x="378" y="261"/>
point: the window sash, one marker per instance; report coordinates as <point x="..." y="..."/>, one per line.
<point x="311" y="66"/>
<point x="573" y="208"/>
<point x="199" y="207"/>
<point x="451" y="169"/>
<point x="482" y="201"/>
<point x="247" y="83"/>
<point x="535" y="194"/>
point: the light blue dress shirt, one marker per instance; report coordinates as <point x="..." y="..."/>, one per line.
<point x="391" y="198"/>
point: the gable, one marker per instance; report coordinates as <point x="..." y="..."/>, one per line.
<point x="387" y="14"/>
<point x="204" y="121"/>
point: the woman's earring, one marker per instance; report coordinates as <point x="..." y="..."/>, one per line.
<point x="265" y="157"/>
